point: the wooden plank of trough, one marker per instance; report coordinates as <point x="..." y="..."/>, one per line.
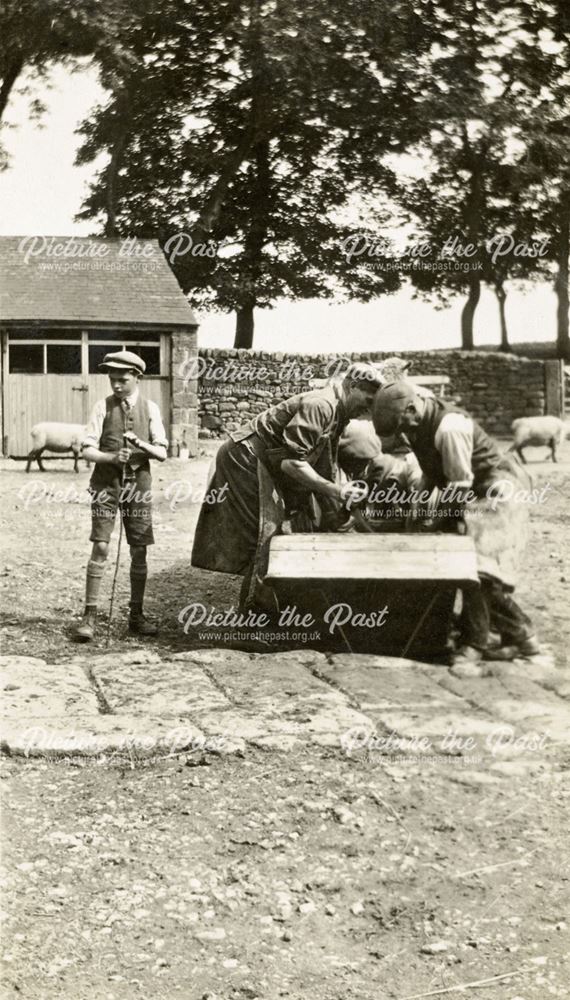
<point x="366" y="557"/>
<point x="355" y="541"/>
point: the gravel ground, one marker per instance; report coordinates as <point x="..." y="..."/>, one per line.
<point x="309" y="875"/>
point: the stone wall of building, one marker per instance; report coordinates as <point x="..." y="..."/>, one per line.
<point x="235" y="385"/>
<point x="184" y="421"/>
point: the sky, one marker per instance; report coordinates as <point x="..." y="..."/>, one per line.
<point x="42" y="191"/>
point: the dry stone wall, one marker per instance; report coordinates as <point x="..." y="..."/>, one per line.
<point x="235" y="385"/>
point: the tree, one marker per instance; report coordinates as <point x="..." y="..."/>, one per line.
<point x="260" y="144"/>
<point x="545" y="70"/>
<point x="36" y="33"/>
<point x="451" y="200"/>
<point x="483" y="85"/>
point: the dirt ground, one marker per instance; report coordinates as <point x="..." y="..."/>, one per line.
<point x="311" y="875"/>
<point x="273" y="875"/>
<point x="45" y="546"/>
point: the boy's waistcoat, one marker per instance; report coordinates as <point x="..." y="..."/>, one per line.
<point x="116" y="422"/>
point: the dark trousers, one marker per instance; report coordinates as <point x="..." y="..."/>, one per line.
<point x="491" y="606"/>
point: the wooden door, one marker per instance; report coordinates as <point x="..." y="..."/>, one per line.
<point x="34" y="398"/>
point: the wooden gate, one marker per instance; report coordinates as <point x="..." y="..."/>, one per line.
<point x="34" y="396"/>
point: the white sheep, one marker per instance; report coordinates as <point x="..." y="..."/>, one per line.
<point x="57" y="437"/>
<point x="538" y="430"/>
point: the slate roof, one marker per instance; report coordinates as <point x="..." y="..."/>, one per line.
<point x="89" y="281"/>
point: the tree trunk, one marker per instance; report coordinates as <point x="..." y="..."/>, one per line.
<point x="469" y="312"/>
<point x="8" y="81"/>
<point x="501" y="299"/>
<point x="244" y="326"/>
<point x="563" y="336"/>
<point x="122" y="124"/>
<point x="473" y="212"/>
<point x="256" y="234"/>
<point x="213" y="206"/>
<point x="112" y="193"/>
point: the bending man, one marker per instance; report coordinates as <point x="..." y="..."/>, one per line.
<point x="274" y="467"/>
<point x="454" y="452"/>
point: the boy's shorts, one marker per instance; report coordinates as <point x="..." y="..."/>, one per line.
<point x="136" y="510"/>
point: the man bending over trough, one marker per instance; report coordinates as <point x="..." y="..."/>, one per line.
<point x="455" y="452"/>
<point x="275" y="466"/>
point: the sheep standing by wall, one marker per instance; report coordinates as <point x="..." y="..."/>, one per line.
<point x="536" y="431"/>
<point x="57" y="437"/>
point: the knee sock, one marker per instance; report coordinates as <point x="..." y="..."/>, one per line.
<point x="138" y="584"/>
<point x="95" y="572"/>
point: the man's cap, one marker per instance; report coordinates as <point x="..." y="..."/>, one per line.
<point x="365" y="376"/>
<point x="124" y="360"/>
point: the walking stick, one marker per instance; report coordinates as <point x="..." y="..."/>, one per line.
<point x="114" y="584"/>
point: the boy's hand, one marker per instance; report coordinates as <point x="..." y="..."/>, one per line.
<point x="122" y="456"/>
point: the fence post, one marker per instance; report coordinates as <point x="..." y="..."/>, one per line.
<point x="554" y="388"/>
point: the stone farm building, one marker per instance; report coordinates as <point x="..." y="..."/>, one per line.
<point x="64" y="304"/>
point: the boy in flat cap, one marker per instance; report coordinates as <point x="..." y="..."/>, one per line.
<point x="123" y="433"/>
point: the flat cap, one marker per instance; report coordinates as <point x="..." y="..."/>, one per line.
<point x="125" y="360"/>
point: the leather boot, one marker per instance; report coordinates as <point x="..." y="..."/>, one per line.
<point x="141" y="625"/>
<point x="523" y="649"/>
<point x="85" y="631"/>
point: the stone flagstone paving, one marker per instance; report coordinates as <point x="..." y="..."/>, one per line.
<point x="517" y="716"/>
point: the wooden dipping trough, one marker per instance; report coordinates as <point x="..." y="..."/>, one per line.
<point x="403" y="585"/>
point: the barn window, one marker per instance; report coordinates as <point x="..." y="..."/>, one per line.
<point x="51" y="352"/>
<point x="63" y="359"/>
<point x="96" y="354"/>
<point x="150" y="356"/>
<point x="26" y="359"/>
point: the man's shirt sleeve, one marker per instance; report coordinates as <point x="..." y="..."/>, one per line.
<point x="95" y="426"/>
<point x="305" y="430"/>
<point x="454" y="441"/>
<point x="157" y="432"/>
